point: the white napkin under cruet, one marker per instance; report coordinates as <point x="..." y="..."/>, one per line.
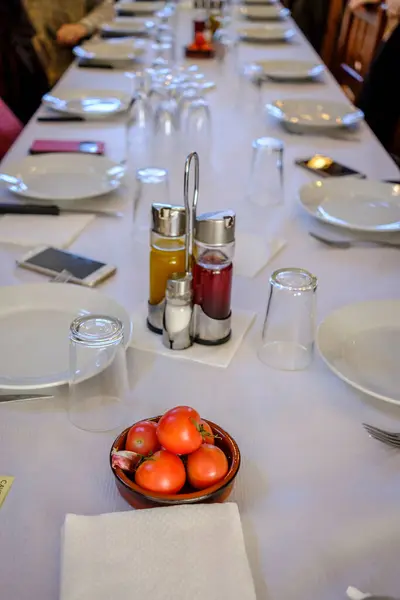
<point x="175" y="553"/>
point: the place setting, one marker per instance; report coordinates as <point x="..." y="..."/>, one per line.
<point x="290" y="71"/>
<point x="124" y="8"/>
<point x="128" y="27"/>
<point x="177" y="298"/>
<point x="264" y="12"/>
<point x="267" y="34"/>
<point x="308" y="116"/>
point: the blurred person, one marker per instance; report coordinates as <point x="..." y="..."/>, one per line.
<point x="22" y="78"/>
<point x="393" y="9"/>
<point x="311" y="17"/>
<point x="380" y="95"/>
<point x="61" y="25"/>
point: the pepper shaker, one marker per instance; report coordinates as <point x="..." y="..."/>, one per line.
<point x="178" y="312"/>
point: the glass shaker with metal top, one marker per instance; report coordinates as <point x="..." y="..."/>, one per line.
<point x="214" y="244"/>
<point x="167" y="256"/>
<point x="178" y="311"/>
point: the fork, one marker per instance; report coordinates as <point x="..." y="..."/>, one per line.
<point x="343" y="244"/>
<point x="390" y="438"/>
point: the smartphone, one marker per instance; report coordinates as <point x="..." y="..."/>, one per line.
<point x="326" y="167"/>
<point x="52" y="146"/>
<point x="52" y="261"/>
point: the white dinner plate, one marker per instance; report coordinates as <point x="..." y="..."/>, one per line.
<point x="113" y="51"/>
<point x="64" y="177"/>
<point x="88" y="103"/>
<point x="267" y="34"/>
<point x="139" y="7"/>
<point x="264" y="13"/>
<point x="305" y="114"/>
<point x="352" y="203"/>
<point x="124" y="26"/>
<point x="360" y="343"/>
<point x="291" y="70"/>
<point x="34" y="329"/>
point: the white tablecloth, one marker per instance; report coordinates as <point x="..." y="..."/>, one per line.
<point x="319" y="500"/>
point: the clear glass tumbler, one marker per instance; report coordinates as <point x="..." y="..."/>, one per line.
<point x="288" y="331"/>
<point x="265" y="185"/>
<point x="152" y="186"/>
<point x="98" y="381"/>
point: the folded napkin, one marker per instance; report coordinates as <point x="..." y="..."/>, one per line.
<point x="254" y="252"/>
<point x="45" y="230"/>
<point x="174" y="553"/>
<point x="215" y="356"/>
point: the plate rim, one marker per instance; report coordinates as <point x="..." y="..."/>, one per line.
<point x="83" y="52"/>
<point x="319" y="67"/>
<point x="121" y="96"/>
<point x="334" y="370"/>
<point x="82" y="289"/>
<point x="281" y="13"/>
<point x="356" y="115"/>
<point x="334" y="181"/>
<point x="60" y="156"/>
<point x="286" y="33"/>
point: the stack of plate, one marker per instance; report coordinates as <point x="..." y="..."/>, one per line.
<point x="303" y="115"/>
<point x="114" y="52"/>
<point x="360" y="343"/>
<point x="264" y="12"/>
<point x="290" y="70"/>
<point x="62" y="178"/>
<point x="34" y="330"/>
<point x="140" y="7"/>
<point x="125" y="27"/>
<point x="266" y="34"/>
<point x="354" y="204"/>
<point x="88" y="104"/>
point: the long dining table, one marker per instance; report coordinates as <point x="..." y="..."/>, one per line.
<point x="319" y="500"/>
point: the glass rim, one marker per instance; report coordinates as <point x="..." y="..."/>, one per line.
<point x="309" y="285"/>
<point x="104" y="338"/>
<point x="268" y="143"/>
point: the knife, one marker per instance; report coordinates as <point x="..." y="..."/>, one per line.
<point x="91" y="65"/>
<point x="57" y="118"/>
<point x="50" y="209"/>
<point x="20" y="397"/>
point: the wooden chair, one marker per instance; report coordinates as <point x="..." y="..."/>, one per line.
<point x="360" y="35"/>
<point x="335" y="15"/>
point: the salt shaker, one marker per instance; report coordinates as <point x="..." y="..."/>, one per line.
<point x="178" y="312"/>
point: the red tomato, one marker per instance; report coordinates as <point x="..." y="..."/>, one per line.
<point x="163" y="473"/>
<point x="179" y="430"/>
<point x="206" y="466"/>
<point x="142" y="438"/>
<point x="206" y="431"/>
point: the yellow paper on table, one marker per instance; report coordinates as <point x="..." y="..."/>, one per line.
<point x="5" y="485"/>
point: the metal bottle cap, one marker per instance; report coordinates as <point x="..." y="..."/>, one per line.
<point x="168" y="220"/>
<point x="216" y="228"/>
<point x="179" y="284"/>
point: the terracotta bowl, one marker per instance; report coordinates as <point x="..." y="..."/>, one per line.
<point x="138" y="497"/>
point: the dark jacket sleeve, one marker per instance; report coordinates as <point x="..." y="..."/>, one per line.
<point x="311" y="16"/>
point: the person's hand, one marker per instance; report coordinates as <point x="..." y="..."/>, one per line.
<point x="71" y="34"/>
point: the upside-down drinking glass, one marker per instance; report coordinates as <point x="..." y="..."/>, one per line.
<point x="288" y="331"/>
<point x="265" y="185"/>
<point x="98" y="382"/>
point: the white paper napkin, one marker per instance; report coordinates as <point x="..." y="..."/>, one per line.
<point x="253" y="253"/>
<point x="215" y="356"/>
<point x="355" y="594"/>
<point x="173" y="553"/>
<point x="46" y="230"/>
